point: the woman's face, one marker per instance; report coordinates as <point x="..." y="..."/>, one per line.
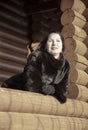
<point x="54" y="44"/>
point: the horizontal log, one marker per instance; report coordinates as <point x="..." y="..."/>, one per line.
<point x="12" y="37"/>
<point x="4" y="50"/>
<point x="14" y="8"/>
<point x="12" y="18"/>
<point x="77" y="5"/>
<point x="78" y="92"/>
<point x="13" y="42"/>
<point x="7" y="66"/>
<point x="30" y="121"/>
<point x="13" y="58"/>
<point x="14" y="33"/>
<point x="71" y="30"/>
<point x="28" y="102"/>
<point x="13" y="24"/>
<point x="71" y="16"/>
<point x="77" y="61"/>
<point x="11" y="47"/>
<point x="14" y="29"/>
<point x="76" y="46"/>
<point x="77" y="58"/>
<point x="78" y="76"/>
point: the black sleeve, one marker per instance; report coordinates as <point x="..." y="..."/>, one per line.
<point x="61" y="88"/>
<point x="32" y="74"/>
<point x="14" y="82"/>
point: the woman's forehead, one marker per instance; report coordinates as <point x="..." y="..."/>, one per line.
<point x="54" y="36"/>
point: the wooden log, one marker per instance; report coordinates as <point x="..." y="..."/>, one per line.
<point x="4" y="50"/>
<point x="14" y="9"/>
<point x="28" y="121"/>
<point x="17" y="49"/>
<point x="70" y="30"/>
<point x="78" y="76"/>
<point x="77" y="61"/>
<point x="13" y="42"/>
<point x="77" y="5"/>
<point x="6" y="35"/>
<point x="71" y="16"/>
<point x="13" y="29"/>
<point x="13" y="33"/>
<point x="28" y="102"/>
<point x="13" y="58"/>
<point x="12" y="24"/>
<point x="76" y="46"/>
<point x="10" y="66"/>
<point x="78" y="92"/>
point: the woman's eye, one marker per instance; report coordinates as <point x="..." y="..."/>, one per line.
<point x="58" y="41"/>
<point x="49" y="40"/>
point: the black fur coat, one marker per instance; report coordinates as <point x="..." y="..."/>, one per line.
<point x="43" y="74"/>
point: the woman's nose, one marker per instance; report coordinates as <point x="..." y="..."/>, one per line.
<point x="53" y="42"/>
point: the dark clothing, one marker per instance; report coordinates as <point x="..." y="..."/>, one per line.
<point x="43" y="74"/>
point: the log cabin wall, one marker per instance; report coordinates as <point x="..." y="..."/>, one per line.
<point x="22" y="110"/>
<point x="73" y="24"/>
<point x="13" y="38"/>
<point x="75" y="31"/>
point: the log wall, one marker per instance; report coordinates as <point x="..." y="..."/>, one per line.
<point x="13" y="38"/>
<point x="75" y="32"/>
<point x="26" y="110"/>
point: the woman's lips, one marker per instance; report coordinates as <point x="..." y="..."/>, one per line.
<point x="54" y="47"/>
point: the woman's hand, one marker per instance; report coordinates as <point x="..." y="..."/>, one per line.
<point x="48" y="89"/>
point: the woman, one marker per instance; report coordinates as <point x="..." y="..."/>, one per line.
<point x="46" y="71"/>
